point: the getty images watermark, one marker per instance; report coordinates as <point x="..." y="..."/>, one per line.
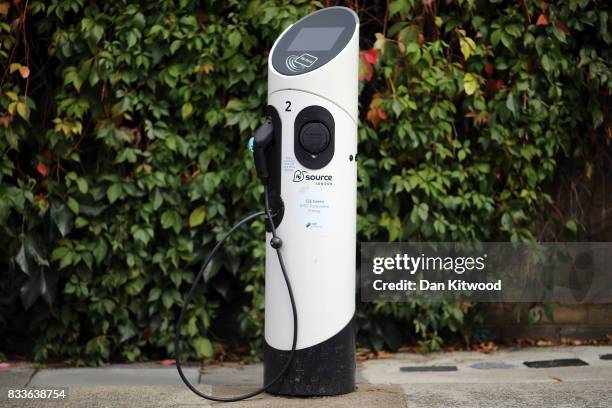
<point x="487" y="272"/>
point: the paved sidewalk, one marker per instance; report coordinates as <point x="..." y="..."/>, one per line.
<point x="515" y="385"/>
<point x="472" y="379"/>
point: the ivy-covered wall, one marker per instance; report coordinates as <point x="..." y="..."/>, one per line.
<point x="123" y="128"/>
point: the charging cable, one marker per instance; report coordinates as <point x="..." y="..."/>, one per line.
<point x="276" y="243"/>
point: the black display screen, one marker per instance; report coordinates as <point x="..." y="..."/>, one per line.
<point x="315" y="39"/>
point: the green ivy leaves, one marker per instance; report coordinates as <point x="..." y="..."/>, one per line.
<point x="468" y="117"/>
<point x="197" y="216"/>
<point x="171" y="219"/>
<point x="470" y="84"/>
<point x="203" y="347"/>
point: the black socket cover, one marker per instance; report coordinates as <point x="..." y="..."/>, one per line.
<point x="314" y="137"/>
<point x="314" y="129"/>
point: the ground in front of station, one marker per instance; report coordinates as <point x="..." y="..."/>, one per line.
<point x="456" y="379"/>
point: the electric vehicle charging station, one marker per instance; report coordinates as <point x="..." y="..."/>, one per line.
<point x="305" y="155"/>
<point x="312" y="98"/>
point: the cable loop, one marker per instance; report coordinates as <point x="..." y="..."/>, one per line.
<point x="191" y="292"/>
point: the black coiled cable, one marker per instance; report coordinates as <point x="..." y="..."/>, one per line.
<point x="277" y="243"/>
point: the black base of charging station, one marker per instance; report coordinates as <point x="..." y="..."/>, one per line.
<point x="327" y="368"/>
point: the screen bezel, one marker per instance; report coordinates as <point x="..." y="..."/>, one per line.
<point x="329" y="17"/>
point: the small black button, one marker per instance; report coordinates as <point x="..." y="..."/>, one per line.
<point x="314" y="137"/>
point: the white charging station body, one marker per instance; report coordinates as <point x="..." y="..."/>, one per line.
<point x="312" y="99"/>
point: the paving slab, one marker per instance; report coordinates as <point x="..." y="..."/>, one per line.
<point x="366" y="395"/>
<point x="558" y="395"/>
<point x="179" y="397"/>
<point x="233" y="374"/>
<point x="148" y="374"/>
<point x="88" y="376"/>
<point x="517" y="355"/>
<point x="15" y="377"/>
<point x="387" y="371"/>
<point x="117" y="396"/>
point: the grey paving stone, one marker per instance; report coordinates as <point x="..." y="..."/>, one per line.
<point x="594" y="394"/>
<point x="233" y="375"/>
<point x="366" y="395"/>
<point x="119" y="396"/>
<point x="74" y="377"/>
<point x="15" y="377"/>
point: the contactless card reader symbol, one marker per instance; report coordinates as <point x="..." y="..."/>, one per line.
<point x="297" y="63"/>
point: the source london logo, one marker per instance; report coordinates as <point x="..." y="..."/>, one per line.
<point x="298" y="176"/>
<point x="320" y="179"/>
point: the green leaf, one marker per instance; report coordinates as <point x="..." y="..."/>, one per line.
<point x="470" y="84"/>
<point x="114" y="192"/>
<point x="100" y="251"/>
<point x="191" y="327"/>
<point x="73" y="205"/>
<point x="127" y="331"/>
<point x="496" y="37"/>
<point x="559" y="34"/>
<point x="14" y="67"/>
<point x="547" y="63"/>
<point x="510" y="103"/>
<point x="167" y="299"/>
<point x="513" y="29"/>
<point x="186" y="110"/>
<point x="80" y="222"/>
<point x="396" y="6"/>
<point x="176" y="44"/>
<point x="97" y="31"/>
<point x="92" y="210"/>
<point x="197" y="216"/>
<point x="34" y="250"/>
<point x="171" y="219"/>
<point x="48" y="286"/>
<point x="203" y="347"/>
<point x="23" y="110"/>
<point x="154" y="294"/>
<point x="131" y="39"/>
<point x="423" y="211"/>
<point x="66" y="260"/>
<point x="158" y="200"/>
<point x="234" y="38"/>
<point x="23" y="261"/>
<point x="506" y="40"/>
<point x="468" y="46"/>
<point x="141" y="235"/>
<point x="31" y="290"/>
<point x="139" y="20"/>
<point x="571" y="226"/>
<point x="62" y="218"/>
<point x="82" y="185"/>
<point x="59" y="253"/>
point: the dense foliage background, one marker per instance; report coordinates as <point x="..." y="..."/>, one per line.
<point x="123" y="127"/>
